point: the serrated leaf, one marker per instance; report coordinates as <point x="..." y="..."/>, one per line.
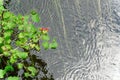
<point x="9" y="68"/>
<point x="45" y="45"/>
<point x="13" y="78"/>
<point x="2" y="73"/>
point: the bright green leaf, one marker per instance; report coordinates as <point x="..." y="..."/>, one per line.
<point x="2" y="73"/>
<point x="20" y="65"/>
<point x="32" y="70"/>
<point x="45" y="37"/>
<point x="6" y="54"/>
<point x="1" y="2"/>
<point x="1" y="40"/>
<point x="37" y="47"/>
<point x="27" y="75"/>
<point x="13" y="78"/>
<point x="22" y="55"/>
<point x="35" y="18"/>
<point x="45" y="45"/>
<point x="7" y="15"/>
<point x="53" y="45"/>
<point x="21" y="35"/>
<point x="12" y="60"/>
<point x="8" y="33"/>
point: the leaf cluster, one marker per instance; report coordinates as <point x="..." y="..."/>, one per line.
<point x="17" y="37"/>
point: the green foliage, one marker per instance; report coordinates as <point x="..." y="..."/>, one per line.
<point x="20" y="65"/>
<point x="35" y="16"/>
<point x="53" y="45"/>
<point x="18" y="36"/>
<point x="13" y="78"/>
<point x="32" y="70"/>
<point x="9" y="68"/>
<point x="2" y="73"/>
<point x="45" y="45"/>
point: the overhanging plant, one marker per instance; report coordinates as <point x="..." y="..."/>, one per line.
<point x="17" y="37"/>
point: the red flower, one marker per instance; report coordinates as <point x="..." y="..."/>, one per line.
<point x="44" y="29"/>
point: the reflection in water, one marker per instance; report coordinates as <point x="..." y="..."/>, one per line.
<point x="88" y="35"/>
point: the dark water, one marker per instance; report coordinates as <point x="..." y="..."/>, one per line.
<point x="88" y="33"/>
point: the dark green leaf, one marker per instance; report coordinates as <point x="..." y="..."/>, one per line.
<point x="9" y="68"/>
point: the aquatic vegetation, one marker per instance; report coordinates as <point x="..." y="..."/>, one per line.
<point x="18" y="36"/>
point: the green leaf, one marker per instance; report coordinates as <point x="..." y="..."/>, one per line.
<point x="21" y="27"/>
<point x="21" y="35"/>
<point x="6" y="15"/>
<point x="32" y="70"/>
<point x="12" y="60"/>
<point x="33" y="12"/>
<point x="6" y="47"/>
<point x="1" y="2"/>
<point x="35" y="18"/>
<point x="6" y="54"/>
<point x="27" y="74"/>
<point x="1" y="40"/>
<point x="8" y="33"/>
<point x="2" y="73"/>
<point x="22" y="55"/>
<point x="20" y="65"/>
<point x="9" y="68"/>
<point x="53" y="45"/>
<point x="37" y="47"/>
<point x="13" y="78"/>
<point x="45" y="37"/>
<point x="45" y="45"/>
<point x="32" y="45"/>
